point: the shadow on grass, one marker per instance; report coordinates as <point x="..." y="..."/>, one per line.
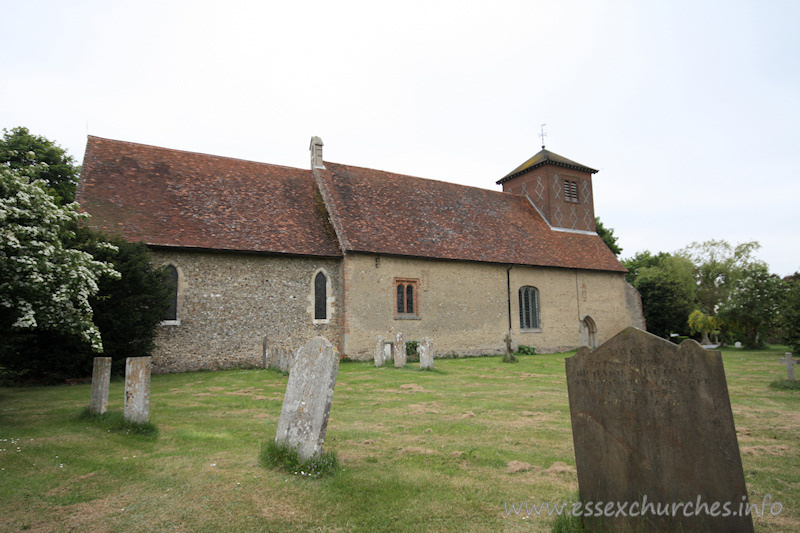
<point x="115" y="421"/>
<point x="275" y="455"/>
<point x="785" y="384"/>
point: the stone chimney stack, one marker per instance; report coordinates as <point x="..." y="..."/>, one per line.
<point x="316" y="153"/>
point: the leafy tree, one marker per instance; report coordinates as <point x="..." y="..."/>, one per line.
<point x="700" y="322"/>
<point x="127" y="310"/>
<point x="717" y="267"/>
<point x="665" y="302"/>
<point x="607" y="234"/>
<point x="753" y="303"/>
<point x="41" y="159"/>
<point x="789" y="318"/>
<point x="43" y="283"/>
<point x="666" y="285"/>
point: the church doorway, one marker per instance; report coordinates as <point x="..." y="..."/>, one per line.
<point x="588" y="332"/>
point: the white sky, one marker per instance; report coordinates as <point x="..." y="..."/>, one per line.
<point x="689" y="109"/>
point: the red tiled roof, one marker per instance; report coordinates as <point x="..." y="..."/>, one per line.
<point x="385" y="213"/>
<point x="173" y="198"/>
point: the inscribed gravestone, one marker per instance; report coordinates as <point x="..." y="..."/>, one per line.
<point x="425" y="354"/>
<point x="399" y="349"/>
<point x="307" y="402"/>
<point x="379" y="352"/>
<point x="653" y="419"/>
<point x="137" y="390"/>
<point x="101" y="378"/>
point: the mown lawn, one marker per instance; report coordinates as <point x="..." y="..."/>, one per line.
<point x="441" y="450"/>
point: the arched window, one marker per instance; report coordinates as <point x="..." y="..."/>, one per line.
<point x="320" y="297"/>
<point x="528" y="308"/>
<point x="171" y="275"/>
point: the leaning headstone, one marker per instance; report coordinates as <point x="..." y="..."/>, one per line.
<point x="399" y="349"/>
<point x="425" y="354"/>
<point x="307" y="402"/>
<point x="101" y="379"/>
<point x="137" y="390"/>
<point x="789" y="362"/>
<point x="379" y="352"/>
<point x="652" y="426"/>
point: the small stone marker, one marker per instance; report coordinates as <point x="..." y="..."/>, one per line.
<point x="425" y="354"/>
<point x="307" y="402"/>
<point x="137" y="390"/>
<point x="399" y="349"/>
<point x="101" y="378"/>
<point x="653" y="419"/>
<point x="789" y="362"/>
<point x="379" y="352"/>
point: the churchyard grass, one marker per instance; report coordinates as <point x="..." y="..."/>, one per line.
<point x="440" y="450"/>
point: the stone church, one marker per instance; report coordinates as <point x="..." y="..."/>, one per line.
<point x="266" y="252"/>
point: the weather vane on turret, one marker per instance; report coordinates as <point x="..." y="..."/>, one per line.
<point x="543" y="135"/>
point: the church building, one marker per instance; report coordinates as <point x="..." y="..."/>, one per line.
<point x="262" y="253"/>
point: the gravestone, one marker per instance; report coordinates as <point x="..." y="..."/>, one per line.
<point x="425" y="354"/>
<point x="789" y="362"/>
<point x="399" y="349"/>
<point x="279" y="358"/>
<point x="137" y="390"/>
<point x="307" y="402"/>
<point x="265" y="352"/>
<point x="101" y="379"/>
<point x="379" y="352"/>
<point x="652" y="425"/>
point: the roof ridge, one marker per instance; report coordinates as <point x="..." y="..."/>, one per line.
<point x="420" y="178"/>
<point x="227" y="158"/>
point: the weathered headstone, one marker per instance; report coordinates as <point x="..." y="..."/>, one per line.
<point x="279" y="358"/>
<point x="399" y="351"/>
<point x="307" y="402"/>
<point x="101" y="379"/>
<point x="652" y="426"/>
<point x="265" y="352"/>
<point x="425" y="354"/>
<point x="789" y="362"/>
<point x="137" y="390"/>
<point x="379" y="352"/>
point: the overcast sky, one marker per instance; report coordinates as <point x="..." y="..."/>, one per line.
<point x="689" y="109"/>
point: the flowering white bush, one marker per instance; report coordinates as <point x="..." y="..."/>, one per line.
<point x="44" y="284"/>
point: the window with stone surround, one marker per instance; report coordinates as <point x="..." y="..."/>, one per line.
<point x="320" y="297"/>
<point x="571" y="191"/>
<point x="529" y="308"/>
<point x="406" y="298"/>
<point x="173" y="280"/>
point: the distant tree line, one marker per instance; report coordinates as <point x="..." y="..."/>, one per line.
<point x="719" y="291"/>
<point x="67" y="293"/>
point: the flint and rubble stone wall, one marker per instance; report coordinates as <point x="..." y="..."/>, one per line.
<point x="464" y="306"/>
<point x="228" y="303"/>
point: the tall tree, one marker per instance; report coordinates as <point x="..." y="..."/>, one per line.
<point x="607" y="234"/>
<point x="753" y="304"/>
<point x="44" y="284"/>
<point x="41" y="158"/>
<point x="717" y="267"/>
<point x="789" y="316"/>
<point x="666" y="285"/>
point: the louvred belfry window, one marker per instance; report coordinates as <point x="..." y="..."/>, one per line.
<point x="571" y="191"/>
